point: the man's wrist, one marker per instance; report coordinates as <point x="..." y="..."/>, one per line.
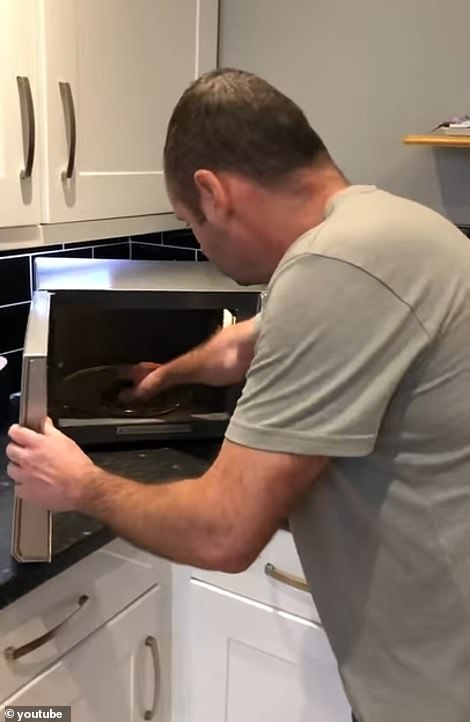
<point x="94" y="492"/>
<point x="179" y="371"/>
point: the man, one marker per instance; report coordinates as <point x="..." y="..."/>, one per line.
<point x="355" y="416"/>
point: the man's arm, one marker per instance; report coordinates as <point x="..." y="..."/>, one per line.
<point x="222" y="360"/>
<point x="221" y="520"/>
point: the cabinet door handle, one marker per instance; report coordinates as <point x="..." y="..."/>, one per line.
<point x="71" y="126"/>
<point x="153" y="644"/>
<point x="13" y="653"/>
<point x="26" y="100"/>
<point x="290" y="579"/>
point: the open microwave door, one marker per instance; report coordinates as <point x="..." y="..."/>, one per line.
<point x="32" y="526"/>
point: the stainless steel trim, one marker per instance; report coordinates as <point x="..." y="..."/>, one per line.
<point x="152" y="643"/>
<point x="14" y="653"/>
<point x="32" y="527"/>
<point x="60" y="274"/>
<point x="26" y="100"/>
<point x="262" y="298"/>
<point x="212" y="416"/>
<point x="70" y="422"/>
<point x="152" y="429"/>
<point x="71" y="127"/>
<point x="289" y="579"/>
<point x="36" y="340"/>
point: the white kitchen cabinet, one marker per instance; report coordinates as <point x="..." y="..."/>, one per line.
<point x="119" y="673"/>
<point x="256" y="583"/>
<point x="93" y="591"/>
<point x="86" y="92"/>
<point x="249" y="661"/>
<point x="19" y="190"/>
<point x="112" y="72"/>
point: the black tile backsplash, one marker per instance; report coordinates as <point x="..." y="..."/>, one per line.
<point x="183" y="239"/>
<point x="13" y="321"/>
<point x="177" y="245"/>
<point x="16" y="284"/>
<point x="147" y="251"/>
<point x="148" y="238"/>
<point x="14" y="280"/>
<point x="13" y="370"/>
<point x="113" y="250"/>
<point x="180" y="238"/>
<point x="74" y="253"/>
<point x="18" y="252"/>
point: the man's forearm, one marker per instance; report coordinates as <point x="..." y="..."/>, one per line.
<point x="220" y="521"/>
<point x="222" y="360"/>
<point x="184" y="521"/>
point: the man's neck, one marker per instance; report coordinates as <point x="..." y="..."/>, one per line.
<point x="289" y="215"/>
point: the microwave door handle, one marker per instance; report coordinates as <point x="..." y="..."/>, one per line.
<point x="32" y="525"/>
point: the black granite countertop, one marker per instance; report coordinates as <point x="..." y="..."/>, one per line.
<point x="75" y="535"/>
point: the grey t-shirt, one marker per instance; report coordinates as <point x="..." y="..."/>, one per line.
<point x="363" y="355"/>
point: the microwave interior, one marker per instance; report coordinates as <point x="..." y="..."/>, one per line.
<point x="93" y="339"/>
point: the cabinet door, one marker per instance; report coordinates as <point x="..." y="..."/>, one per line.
<point x="18" y="109"/>
<point x="118" y="674"/>
<point x="251" y="662"/>
<point x="113" y="72"/>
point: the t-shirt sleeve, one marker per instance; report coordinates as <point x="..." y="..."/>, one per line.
<point x="334" y="344"/>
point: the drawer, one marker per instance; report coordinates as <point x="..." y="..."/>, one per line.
<point x="256" y="584"/>
<point x="110" y="579"/>
<point x="120" y="548"/>
<point x="110" y="676"/>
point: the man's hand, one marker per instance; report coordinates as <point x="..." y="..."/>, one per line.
<point x="147" y="379"/>
<point x="49" y="469"/>
<point x="222" y="360"/>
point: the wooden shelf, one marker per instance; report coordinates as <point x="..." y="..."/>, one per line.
<point x="437" y="139"/>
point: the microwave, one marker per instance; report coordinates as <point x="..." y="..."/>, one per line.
<point x="91" y="318"/>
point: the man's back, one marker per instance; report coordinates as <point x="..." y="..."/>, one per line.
<point x="374" y="305"/>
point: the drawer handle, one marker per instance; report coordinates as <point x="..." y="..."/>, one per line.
<point x="24" y="89"/>
<point x="14" y="653"/>
<point x="71" y="127"/>
<point x="290" y="579"/>
<point x="153" y="644"/>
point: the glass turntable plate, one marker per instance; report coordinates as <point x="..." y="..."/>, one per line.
<point x="95" y="392"/>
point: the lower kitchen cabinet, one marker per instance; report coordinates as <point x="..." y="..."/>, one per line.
<point x="249" y="662"/>
<point x="157" y="642"/>
<point x="119" y="673"/>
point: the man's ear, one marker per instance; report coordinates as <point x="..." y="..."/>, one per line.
<point x="212" y="194"/>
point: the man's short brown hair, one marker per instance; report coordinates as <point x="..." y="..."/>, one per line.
<point x="231" y="120"/>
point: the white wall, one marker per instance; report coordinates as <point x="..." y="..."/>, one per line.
<point x="367" y="72"/>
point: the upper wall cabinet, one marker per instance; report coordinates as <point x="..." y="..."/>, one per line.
<point x="110" y="74"/>
<point x="114" y="70"/>
<point x="19" y="191"/>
